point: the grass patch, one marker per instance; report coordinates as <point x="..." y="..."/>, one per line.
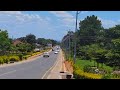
<point x="80" y="74"/>
<point x="82" y="63"/>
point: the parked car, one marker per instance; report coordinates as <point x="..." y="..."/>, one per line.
<point x="46" y="54"/>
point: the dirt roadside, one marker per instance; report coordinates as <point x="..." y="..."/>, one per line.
<point x="67" y="67"/>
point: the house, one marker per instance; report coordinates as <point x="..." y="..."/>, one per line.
<point x="38" y="47"/>
<point x="49" y="45"/>
<point x="15" y="42"/>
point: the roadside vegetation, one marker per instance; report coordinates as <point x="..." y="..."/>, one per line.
<point x="97" y="52"/>
<point x="14" y="50"/>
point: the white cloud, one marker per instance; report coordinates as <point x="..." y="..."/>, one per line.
<point x="83" y="12"/>
<point x="108" y="23"/>
<point x="65" y="18"/>
<point x="19" y="17"/>
<point x="11" y="12"/>
<point x="62" y="14"/>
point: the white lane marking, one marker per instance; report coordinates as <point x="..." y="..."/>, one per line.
<point x="18" y="69"/>
<point x="53" y="68"/>
<point x="50" y="69"/>
<point x="8" y="72"/>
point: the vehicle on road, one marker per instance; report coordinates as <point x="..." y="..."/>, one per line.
<point x="46" y="54"/>
<point x="55" y="52"/>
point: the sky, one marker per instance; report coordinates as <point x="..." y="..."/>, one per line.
<point x="50" y="24"/>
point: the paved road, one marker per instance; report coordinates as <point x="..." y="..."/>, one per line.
<point x="30" y="70"/>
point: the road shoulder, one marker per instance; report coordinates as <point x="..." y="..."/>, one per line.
<point x="54" y="72"/>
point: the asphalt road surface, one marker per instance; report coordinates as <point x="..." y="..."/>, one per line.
<point x="34" y="69"/>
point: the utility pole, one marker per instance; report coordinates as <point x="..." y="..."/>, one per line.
<point x="69" y="43"/>
<point x="75" y="37"/>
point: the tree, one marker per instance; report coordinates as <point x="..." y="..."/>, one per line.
<point x="114" y="54"/>
<point x="31" y="39"/>
<point x="89" y="28"/>
<point x="22" y="39"/>
<point x="114" y="32"/>
<point x="4" y="42"/>
<point x="42" y="41"/>
<point x="53" y="42"/>
<point x="93" y="52"/>
<point x="24" y="47"/>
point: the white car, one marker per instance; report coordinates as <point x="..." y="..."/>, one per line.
<point x="46" y="54"/>
<point x="55" y="52"/>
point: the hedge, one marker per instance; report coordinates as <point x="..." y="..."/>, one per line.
<point x="80" y="74"/>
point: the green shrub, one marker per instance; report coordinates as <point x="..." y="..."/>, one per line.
<point x="111" y="76"/>
<point x="6" y="59"/>
<point x="106" y="76"/>
<point x="26" y="57"/>
<point x="1" y="61"/>
<point x="87" y="68"/>
<point x="80" y="74"/>
<point x="20" y="56"/>
<point x="14" y="58"/>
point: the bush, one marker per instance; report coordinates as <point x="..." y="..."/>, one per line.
<point x="6" y="59"/>
<point x="1" y="61"/>
<point x="14" y="58"/>
<point x="116" y="68"/>
<point x="20" y="56"/>
<point x="36" y="53"/>
<point x="111" y="76"/>
<point x="88" y="68"/>
<point x="106" y="76"/>
<point x="33" y="54"/>
<point x="80" y="74"/>
<point x="26" y="57"/>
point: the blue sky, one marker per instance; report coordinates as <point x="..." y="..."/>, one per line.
<point x="50" y="24"/>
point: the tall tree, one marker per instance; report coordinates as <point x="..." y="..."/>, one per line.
<point x="89" y="28"/>
<point x="31" y="39"/>
<point x="41" y="41"/>
<point x="4" y="41"/>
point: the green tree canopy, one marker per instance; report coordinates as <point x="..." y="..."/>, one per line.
<point x="89" y="28"/>
<point x="4" y="41"/>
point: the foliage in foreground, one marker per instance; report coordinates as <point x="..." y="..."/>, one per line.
<point x="80" y="74"/>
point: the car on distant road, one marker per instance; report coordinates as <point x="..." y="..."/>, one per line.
<point x="58" y="50"/>
<point x="46" y="54"/>
<point x="55" y="52"/>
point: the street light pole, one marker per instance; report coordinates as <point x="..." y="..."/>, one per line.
<point x="75" y="37"/>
